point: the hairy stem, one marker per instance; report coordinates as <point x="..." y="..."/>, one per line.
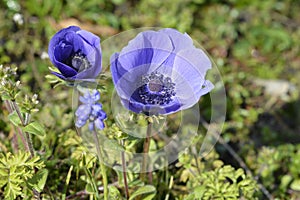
<point x="16" y="108"/>
<point x="124" y="171"/>
<point x="28" y="144"/>
<point x="28" y="138"/>
<point x="17" y="133"/>
<point x="24" y="122"/>
<point x="101" y="162"/>
<point x="146" y="151"/>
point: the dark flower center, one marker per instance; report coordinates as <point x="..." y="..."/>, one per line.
<point x="79" y="62"/>
<point x="156" y="89"/>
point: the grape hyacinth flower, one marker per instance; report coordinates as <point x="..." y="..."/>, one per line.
<point x="76" y="54"/>
<point x="160" y="72"/>
<point x="90" y="110"/>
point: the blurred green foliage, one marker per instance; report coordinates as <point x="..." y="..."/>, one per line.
<point x="248" y="40"/>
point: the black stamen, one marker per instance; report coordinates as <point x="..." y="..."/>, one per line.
<point x="156" y="89"/>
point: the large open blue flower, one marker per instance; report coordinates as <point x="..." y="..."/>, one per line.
<point x="160" y="72"/>
<point x="76" y="53"/>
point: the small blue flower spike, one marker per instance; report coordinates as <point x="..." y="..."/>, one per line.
<point x="90" y="111"/>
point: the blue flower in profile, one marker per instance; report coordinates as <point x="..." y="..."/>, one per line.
<point x="90" y="110"/>
<point x="76" y="54"/>
<point x="160" y="72"/>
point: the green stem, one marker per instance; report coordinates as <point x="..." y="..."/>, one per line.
<point x="124" y="171"/>
<point x="101" y="162"/>
<point x="146" y="151"/>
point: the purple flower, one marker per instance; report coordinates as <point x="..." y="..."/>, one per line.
<point x="90" y="111"/>
<point x="76" y="53"/>
<point x="160" y="72"/>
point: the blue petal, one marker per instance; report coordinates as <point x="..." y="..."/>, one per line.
<point x="169" y="108"/>
<point x="130" y="75"/>
<point x="167" y="67"/>
<point x="147" y="47"/>
<point x="57" y="38"/>
<point x="91" y="41"/>
<point x="75" y="40"/>
<point x="179" y="41"/>
<point x="94" y="57"/>
<point x="190" y="67"/>
<point x="95" y="95"/>
<point x="63" y="52"/>
<point x="132" y="105"/>
<point x="99" y="124"/>
<point x="83" y="111"/>
<point x="192" y="61"/>
<point x="84" y="100"/>
<point x="66" y="70"/>
<point x="96" y="109"/>
<point x="91" y="126"/>
<point x="80" y="123"/>
<point x="206" y="88"/>
<point x="59" y="75"/>
<point x="116" y="68"/>
<point x="138" y="107"/>
<point x="129" y="82"/>
<point x="102" y="115"/>
<point x="186" y="93"/>
<point x="91" y="48"/>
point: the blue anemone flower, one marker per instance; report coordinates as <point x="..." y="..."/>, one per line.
<point x="90" y="110"/>
<point x="76" y="54"/>
<point x="160" y="72"/>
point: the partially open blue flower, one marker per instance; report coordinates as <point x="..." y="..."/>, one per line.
<point x="90" y="111"/>
<point x="76" y="53"/>
<point x="160" y="72"/>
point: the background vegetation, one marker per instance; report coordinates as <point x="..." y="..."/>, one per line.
<point x="256" y="46"/>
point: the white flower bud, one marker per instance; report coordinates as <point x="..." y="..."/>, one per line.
<point x="18" y="83"/>
<point x="44" y="55"/>
<point x="34" y="97"/>
<point x="3" y="82"/>
<point x="18" y="18"/>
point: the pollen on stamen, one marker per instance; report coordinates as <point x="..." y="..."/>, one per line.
<point x="80" y="62"/>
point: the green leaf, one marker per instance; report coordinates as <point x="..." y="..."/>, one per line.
<point x="114" y="193"/>
<point x="35" y="128"/>
<point x="14" y="118"/>
<point x="110" y="144"/>
<point x="199" y="191"/>
<point x="5" y="96"/>
<point x="52" y="78"/>
<point x="89" y="188"/>
<point x="190" y="197"/>
<point x="38" y="181"/>
<point x="67" y="183"/>
<point x="296" y="185"/>
<point x="144" y="190"/>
